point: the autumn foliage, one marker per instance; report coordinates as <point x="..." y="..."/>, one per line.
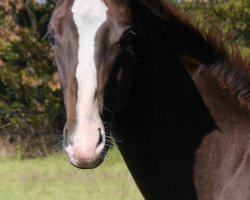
<point x="231" y="16"/>
<point x="30" y="96"/>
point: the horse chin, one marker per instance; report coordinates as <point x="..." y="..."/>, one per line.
<point x="88" y="165"/>
<point x="91" y="163"/>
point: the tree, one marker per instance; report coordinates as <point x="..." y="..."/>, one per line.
<point x="30" y="96"/>
<point x="233" y="16"/>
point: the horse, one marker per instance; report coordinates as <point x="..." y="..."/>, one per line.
<point x="172" y="98"/>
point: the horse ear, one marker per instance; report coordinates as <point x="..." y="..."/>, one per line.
<point x="119" y="11"/>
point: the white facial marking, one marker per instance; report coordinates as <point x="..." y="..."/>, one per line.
<point x="88" y="16"/>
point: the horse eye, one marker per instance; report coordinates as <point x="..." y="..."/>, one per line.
<point x="129" y="39"/>
<point x="51" y="38"/>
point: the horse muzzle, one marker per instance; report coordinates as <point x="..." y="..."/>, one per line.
<point x="86" y="147"/>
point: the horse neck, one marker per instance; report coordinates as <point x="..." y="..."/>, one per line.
<point x="161" y="79"/>
<point x="220" y="75"/>
<point x="223" y="85"/>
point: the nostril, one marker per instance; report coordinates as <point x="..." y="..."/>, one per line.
<point x="66" y="132"/>
<point x="100" y="137"/>
<point x="68" y="140"/>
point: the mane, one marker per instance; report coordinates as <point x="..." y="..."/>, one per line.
<point x="223" y="59"/>
<point x="231" y="70"/>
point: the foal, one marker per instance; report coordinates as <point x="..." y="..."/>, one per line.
<point x="121" y="61"/>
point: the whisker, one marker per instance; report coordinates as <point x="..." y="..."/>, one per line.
<point x="57" y="146"/>
<point x="100" y="104"/>
<point x="114" y="138"/>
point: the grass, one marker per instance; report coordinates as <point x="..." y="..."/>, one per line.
<point x="53" y="178"/>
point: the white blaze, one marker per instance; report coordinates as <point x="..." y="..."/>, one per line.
<point x="88" y="16"/>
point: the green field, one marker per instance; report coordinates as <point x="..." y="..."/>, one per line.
<point x="53" y="178"/>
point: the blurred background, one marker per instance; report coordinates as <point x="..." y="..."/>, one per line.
<point x="32" y="112"/>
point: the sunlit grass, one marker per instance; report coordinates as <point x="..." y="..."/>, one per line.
<point x="53" y="178"/>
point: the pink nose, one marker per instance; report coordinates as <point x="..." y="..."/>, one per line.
<point x="86" y="151"/>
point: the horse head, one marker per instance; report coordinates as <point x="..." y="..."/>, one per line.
<point x="90" y="42"/>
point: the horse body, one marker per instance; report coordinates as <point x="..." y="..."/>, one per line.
<point x="222" y="161"/>
<point x="183" y="136"/>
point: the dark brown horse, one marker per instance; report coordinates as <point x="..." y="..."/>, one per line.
<point x="175" y="98"/>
